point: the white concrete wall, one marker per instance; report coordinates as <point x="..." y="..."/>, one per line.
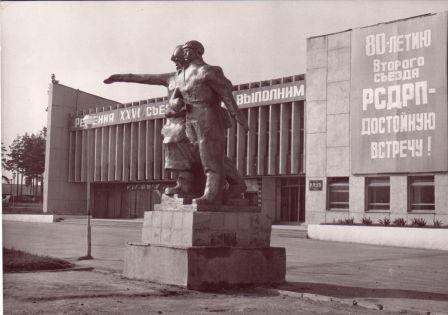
<point x="37" y="218"/>
<point x="428" y="238"/>
<point x="327" y="119"/>
<point x="61" y="196"/>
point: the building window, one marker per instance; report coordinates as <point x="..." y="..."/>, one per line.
<point x="378" y="193"/>
<point x="338" y="193"/>
<point x="421" y="193"/>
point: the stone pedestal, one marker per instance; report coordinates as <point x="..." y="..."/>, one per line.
<point x="205" y="247"/>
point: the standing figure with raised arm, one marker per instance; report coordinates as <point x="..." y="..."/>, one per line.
<point x="203" y="87"/>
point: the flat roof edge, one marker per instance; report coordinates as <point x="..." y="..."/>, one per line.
<point x="381" y="23"/>
<point x="69" y="87"/>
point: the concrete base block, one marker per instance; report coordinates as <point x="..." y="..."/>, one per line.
<point x="205" y="268"/>
<point x="184" y="203"/>
<point x="200" y="228"/>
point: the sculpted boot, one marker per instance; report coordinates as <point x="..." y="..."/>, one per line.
<point x="237" y="186"/>
<point x="184" y="185"/>
<point x="214" y="186"/>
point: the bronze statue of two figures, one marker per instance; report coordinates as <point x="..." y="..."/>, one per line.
<point x="196" y="124"/>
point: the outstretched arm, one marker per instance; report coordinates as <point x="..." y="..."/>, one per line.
<point x="151" y="79"/>
<point x="223" y="87"/>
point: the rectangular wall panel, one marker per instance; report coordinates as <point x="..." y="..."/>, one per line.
<point x="141" y="159"/>
<point x="91" y="154"/>
<point x="104" y="153"/>
<point x="98" y="150"/>
<point x="84" y="155"/>
<point x="251" y="141"/>
<point x="241" y="148"/>
<point x="302" y="165"/>
<point x="263" y="116"/>
<point x="295" y="137"/>
<point x="126" y="151"/>
<point x="157" y="149"/>
<point x="285" y="121"/>
<point x="112" y="153"/>
<point x="119" y="153"/>
<point x="274" y="111"/>
<point x="71" y="156"/>
<point x="134" y="152"/>
<point x="78" y="155"/>
<point x="149" y="149"/>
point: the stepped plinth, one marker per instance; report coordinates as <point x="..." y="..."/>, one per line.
<point x="205" y="247"/>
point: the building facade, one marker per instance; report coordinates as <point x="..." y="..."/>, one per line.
<point x="376" y="122"/>
<point x="370" y="141"/>
<point x="121" y="153"/>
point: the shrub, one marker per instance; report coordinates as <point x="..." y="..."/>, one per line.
<point x="349" y="220"/>
<point x="418" y="222"/>
<point x="385" y="221"/>
<point x="399" y="222"/>
<point x="344" y="221"/>
<point x="366" y="221"/>
<point x="437" y="223"/>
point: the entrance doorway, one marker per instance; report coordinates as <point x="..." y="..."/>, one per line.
<point x="292" y="200"/>
<point x="124" y="201"/>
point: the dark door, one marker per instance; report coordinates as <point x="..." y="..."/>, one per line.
<point x="107" y="201"/>
<point x="100" y="202"/>
<point x="292" y="200"/>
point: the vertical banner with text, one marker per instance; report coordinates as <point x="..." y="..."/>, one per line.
<point x="398" y="102"/>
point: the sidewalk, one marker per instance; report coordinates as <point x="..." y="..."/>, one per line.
<point x="395" y="278"/>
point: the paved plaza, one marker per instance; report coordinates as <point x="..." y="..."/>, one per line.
<point x="396" y="279"/>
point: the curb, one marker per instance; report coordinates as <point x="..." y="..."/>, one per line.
<point x="325" y="298"/>
<point x="55" y="270"/>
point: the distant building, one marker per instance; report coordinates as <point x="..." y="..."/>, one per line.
<point x="370" y="139"/>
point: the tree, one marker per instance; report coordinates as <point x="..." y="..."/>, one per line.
<point x="15" y="157"/>
<point x="27" y="157"/>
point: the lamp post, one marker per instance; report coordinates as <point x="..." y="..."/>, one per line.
<point x="89" y="120"/>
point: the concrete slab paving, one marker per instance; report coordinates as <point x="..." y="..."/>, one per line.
<point x="396" y="278"/>
<point x="106" y="293"/>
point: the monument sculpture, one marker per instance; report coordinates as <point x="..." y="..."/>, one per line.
<point x="202" y="235"/>
<point x="194" y="135"/>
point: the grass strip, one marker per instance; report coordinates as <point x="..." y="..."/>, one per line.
<point x="16" y="260"/>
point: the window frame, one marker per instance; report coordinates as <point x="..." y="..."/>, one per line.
<point x="417" y="183"/>
<point x="374" y="181"/>
<point x="339" y="182"/>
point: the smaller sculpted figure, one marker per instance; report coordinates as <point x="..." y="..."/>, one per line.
<point x="181" y="156"/>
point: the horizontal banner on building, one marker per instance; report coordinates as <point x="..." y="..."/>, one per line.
<point x="267" y="95"/>
<point x="398" y="107"/>
<point x="121" y="116"/>
<point x="273" y="94"/>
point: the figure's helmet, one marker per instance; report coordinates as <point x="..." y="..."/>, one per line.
<point x="194" y="45"/>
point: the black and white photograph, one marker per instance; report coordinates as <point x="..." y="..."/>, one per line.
<point x="224" y="157"/>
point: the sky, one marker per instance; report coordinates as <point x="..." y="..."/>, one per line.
<point x="83" y="43"/>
